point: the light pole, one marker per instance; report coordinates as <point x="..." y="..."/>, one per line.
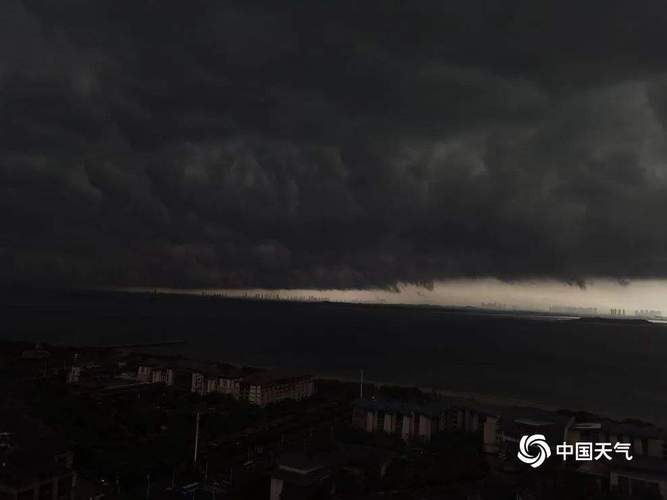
<point x="148" y="485"/>
<point x="361" y="386"/>
<point x="196" y="438"/>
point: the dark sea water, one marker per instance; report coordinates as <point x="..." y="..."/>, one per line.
<point x="614" y="368"/>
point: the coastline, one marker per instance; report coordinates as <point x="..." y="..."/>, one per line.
<point x="498" y="401"/>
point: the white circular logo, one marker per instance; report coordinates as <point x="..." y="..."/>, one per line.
<point x="537" y="444"/>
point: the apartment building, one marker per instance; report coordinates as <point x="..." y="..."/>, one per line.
<point x="643" y="477"/>
<point x="198" y="385"/>
<point x="163" y="376"/>
<point x="155" y="375"/>
<point x="215" y="382"/>
<point x="74" y="375"/>
<point x="271" y="386"/>
<point x="422" y="421"/>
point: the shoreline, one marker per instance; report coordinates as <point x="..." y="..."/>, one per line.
<point x="494" y="400"/>
<point x="482" y="398"/>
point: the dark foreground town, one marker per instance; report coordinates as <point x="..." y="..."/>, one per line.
<point x="125" y="422"/>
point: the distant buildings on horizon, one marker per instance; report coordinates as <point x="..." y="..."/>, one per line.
<point x="638" y="313"/>
<point x="648" y="313"/>
<point x="584" y="311"/>
<point x="581" y="311"/>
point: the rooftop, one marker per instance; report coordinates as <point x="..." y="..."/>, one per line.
<point x="586" y="426"/>
<point x="302" y="469"/>
<point x="301" y="463"/>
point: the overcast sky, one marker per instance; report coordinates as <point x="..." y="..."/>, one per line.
<point x="333" y="144"/>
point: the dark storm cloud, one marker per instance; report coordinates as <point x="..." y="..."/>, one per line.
<point x="331" y="144"/>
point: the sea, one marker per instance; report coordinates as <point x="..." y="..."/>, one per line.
<point x="614" y="368"/>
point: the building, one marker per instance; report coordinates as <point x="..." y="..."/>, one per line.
<point x="155" y="375"/>
<point x="36" y="354"/>
<point x="643" y="477"/>
<point x="33" y="463"/>
<point x="216" y="382"/>
<point x="271" y="386"/>
<point x="74" y="375"/>
<point x="516" y="422"/>
<point x="647" y="440"/>
<point x="407" y="420"/>
<point x="299" y="476"/>
<point x="211" y="385"/>
<point x="145" y="373"/>
<point x="342" y="472"/>
<point x="511" y="423"/>
<point x="573" y="310"/>
<point x="648" y="313"/>
<point x="422" y="421"/>
<point x="163" y="376"/>
<point x="230" y="384"/>
<point x="198" y="385"/>
<point x="28" y="478"/>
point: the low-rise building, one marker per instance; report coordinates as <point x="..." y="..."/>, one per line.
<point x="301" y="476"/>
<point x="163" y="376"/>
<point x="516" y="422"/>
<point x="271" y="386"/>
<point x="155" y="375"/>
<point x="422" y="421"/>
<point x="337" y="473"/>
<point x="74" y="375"/>
<point x="198" y="385"/>
<point x="230" y="384"/>
<point x="144" y="373"/>
<point x="390" y="417"/>
<point x="215" y="381"/>
<point x="211" y="385"/>
<point x="642" y="477"/>
<point x="646" y="439"/>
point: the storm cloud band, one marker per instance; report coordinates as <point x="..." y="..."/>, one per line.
<point x="331" y="144"/>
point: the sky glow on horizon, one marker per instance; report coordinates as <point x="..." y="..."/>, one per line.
<point x="602" y="294"/>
